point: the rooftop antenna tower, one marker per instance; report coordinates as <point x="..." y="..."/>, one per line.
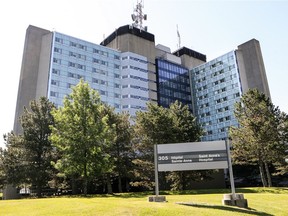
<point x="179" y="38"/>
<point x="138" y="16"/>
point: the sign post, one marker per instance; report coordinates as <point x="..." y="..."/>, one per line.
<point x="230" y="169"/>
<point x="156" y="171"/>
<point x="195" y="156"/>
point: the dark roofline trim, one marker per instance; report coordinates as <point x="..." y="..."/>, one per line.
<point x="128" y="29"/>
<point x="190" y="52"/>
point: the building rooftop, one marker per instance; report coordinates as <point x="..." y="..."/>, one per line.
<point x="189" y="52"/>
<point x="128" y="29"/>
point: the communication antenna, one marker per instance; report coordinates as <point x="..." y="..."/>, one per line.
<point x="138" y="16"/>
<point x="179" y="38"/>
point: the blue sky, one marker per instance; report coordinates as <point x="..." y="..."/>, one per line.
<point x="211" y="27"/>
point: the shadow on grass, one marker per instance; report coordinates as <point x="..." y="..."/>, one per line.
<point x="274" y="190"/>
<point x="227" y="208"/>
<point x="185" y="192"/>
<point x="118" y="195"/>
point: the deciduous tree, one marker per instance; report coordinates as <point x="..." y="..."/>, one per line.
<point x="81" y="133"/>
<point x="261" y="136"/>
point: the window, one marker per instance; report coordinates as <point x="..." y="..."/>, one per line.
<point x="99" y="71"/>
<point x="116" y="95"/>
<point x="222" y="130"/>
<point x="58" y="50"/>
<point x="96" y="50"/>
<point x="54" y="82"/>
<point x="82" y="67"/>
<point x="58" y="61"/>
<point x="71" y="64"/>
<point x="69" y="85"/>
<point x="103" y="82"/>
<point x="53" y="94"/>
<point x="116" y="85"/>
<point x="103" y="92"/>
<point x="227" y="118"/>
<point x="72" y="54"/>
<point x="59" y="40"/>
<point x="116" y="75"/>
<point x="116" y="66"/>
<point x="73" y="44"/>
<point x="117" y="57"/>
<point x="81" y="46"/>
<point x="55" y="71"/>
<point x="94" y="80"/>
<point x="104" y="63"/>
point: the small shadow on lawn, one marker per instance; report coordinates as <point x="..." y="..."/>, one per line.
<point x="226" y="208"/>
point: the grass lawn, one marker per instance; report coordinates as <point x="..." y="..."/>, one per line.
<point x="261" y="201"/>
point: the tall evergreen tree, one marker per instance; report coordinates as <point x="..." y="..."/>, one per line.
<point x="261" y="136"/>
<point x="81" y="133"/>
<point x="38" y="151"/>
<point x="160" y="126"/>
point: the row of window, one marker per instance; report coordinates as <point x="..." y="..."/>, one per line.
<point x="78" y="45"/>
<point x="79" y="66"/>
<point x="76" y="76"/>
<point x="226" y="118"/>
<point x="77" y="55"/>
<point x="219" y="110"/>
<point x="216" y="73"/>
<point x="76" y="65"/>
<point x="134" y="107"/>
<point x="83" y="47"/>
<point x="135" y="97"/>
<point x="83" y="67"/>
<point x="99" y="61"/>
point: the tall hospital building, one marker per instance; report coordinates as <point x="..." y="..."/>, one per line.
<point x="128" y="70"/>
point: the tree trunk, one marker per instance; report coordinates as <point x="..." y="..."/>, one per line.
<point x="181" y="181"/>
<point x="39" y="191"/>
<point x="109" y="185"/>
<point x="127" y="185"/>
<point x="268" y="174"/>
<point x="85" y="183"/>
<point x="119" y="184"/>
<point x="262" y="174"/>
<point x="73" y="183"/>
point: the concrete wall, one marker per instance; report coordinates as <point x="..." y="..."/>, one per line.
<point x="44" y="66"/>
<point x="30" y="71"/>
<point x="190" y="62"/>
<point x="132" y="43"/>
<point x="251" y="67"/>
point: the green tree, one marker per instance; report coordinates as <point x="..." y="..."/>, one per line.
<point x="260" y="137"/>
<point x="120" y="149"/>
<point x="160" y="126"/>
<point x="12" y="166"/>
<point x="37" y="148"/>
<point x="81" y="133"/>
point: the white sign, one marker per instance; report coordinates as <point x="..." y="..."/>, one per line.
<point x="192" y="156"/>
